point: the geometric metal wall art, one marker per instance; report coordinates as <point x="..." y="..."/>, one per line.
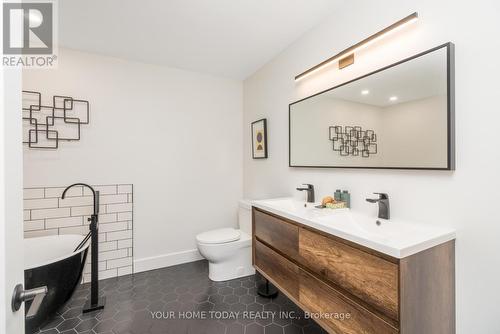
<point x="45" y="126"/>
<point x="353" y="140"/>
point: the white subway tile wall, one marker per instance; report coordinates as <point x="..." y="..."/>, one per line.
<point x="45" y="213"/>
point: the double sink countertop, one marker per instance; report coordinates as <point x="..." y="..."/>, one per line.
<point x="395" y="238"/>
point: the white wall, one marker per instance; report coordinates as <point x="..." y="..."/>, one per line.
<point x="310" y="128"/>
<point x="466" y="198"/>
<point x="176" y="135"/>
<point x="415" y="133"/>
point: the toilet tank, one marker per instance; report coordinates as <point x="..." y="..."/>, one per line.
<point x="245" y="216"/>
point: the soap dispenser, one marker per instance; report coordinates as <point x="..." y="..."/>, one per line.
<point x="337" y="195"/>
<point x="346" y="197"/>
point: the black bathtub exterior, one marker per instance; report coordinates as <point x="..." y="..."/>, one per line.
<point x="61" y="279"/>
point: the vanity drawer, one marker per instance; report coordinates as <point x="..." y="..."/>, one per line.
<point x="368" y="277"/>
<point x="321" y="299"/>
<point x="284" y="273"/>
<point x="277" y="233"/>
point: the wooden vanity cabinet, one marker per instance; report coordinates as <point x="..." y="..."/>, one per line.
<point x="352" y="288"/>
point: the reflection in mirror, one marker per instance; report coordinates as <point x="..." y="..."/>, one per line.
<point x="397" y="117"/>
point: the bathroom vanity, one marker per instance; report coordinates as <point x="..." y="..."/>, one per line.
<point x="354" y="273"/>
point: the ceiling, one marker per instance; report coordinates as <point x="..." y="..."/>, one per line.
<point x="419" y="78"/>
<point x="230" y="38"/>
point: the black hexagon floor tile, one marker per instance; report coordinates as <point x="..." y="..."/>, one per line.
<point x="179" y="300"/>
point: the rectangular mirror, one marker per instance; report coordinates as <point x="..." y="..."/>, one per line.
<point x="398" y="117"/>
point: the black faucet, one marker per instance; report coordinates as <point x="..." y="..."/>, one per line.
<point x="95" y="195"/>
<point x="384" y="211"/>
<point x="310" y="192"/>
<point x="95" y="302"/>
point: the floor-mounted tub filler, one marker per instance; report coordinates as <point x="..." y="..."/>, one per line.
<point x="95" y="302"/>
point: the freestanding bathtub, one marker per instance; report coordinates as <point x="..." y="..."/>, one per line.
<point x="53" y="262"/>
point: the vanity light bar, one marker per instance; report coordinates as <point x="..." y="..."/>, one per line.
<point x="347" y="56"/>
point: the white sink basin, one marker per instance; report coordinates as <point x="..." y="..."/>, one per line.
<point x="297" y="207"/>
<point x="392" y="237"/>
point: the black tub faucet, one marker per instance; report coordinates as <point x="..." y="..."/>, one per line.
<point x="310" y="192"/>
<point x="384" y="211"/>
<point x="95" y="302"/>
<point x="95" y="196"/>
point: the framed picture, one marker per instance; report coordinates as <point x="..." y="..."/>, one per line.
<point x="259" y="139"/>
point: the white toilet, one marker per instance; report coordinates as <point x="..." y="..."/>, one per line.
<point x="228" y="250"/>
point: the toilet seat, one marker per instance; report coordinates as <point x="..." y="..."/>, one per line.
<point x="219" y="236"/>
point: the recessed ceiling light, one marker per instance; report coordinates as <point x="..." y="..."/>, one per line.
<point x="365" y="92"/>
<point x="393" y="98"/>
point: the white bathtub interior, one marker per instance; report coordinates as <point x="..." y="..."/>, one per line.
<point x="41" y="251"/>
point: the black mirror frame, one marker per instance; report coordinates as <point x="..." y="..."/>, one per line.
<point x="450" y="51"/>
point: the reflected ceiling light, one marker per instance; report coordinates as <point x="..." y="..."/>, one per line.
<point x="346" y="57"/>
<point x="365" y="92"/>
<point x="393" y="98"/>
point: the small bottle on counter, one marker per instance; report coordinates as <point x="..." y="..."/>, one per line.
<point x="346" y="197"/>
<point x="337" y="195"/>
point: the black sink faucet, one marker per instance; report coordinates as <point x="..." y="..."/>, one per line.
<point x="310" y="192"/>
<point x="384" y="211"/>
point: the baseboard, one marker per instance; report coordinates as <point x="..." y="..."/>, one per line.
<point x="166" y="260"/>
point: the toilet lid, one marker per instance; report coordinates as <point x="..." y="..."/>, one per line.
<point x="219" y="236"/>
